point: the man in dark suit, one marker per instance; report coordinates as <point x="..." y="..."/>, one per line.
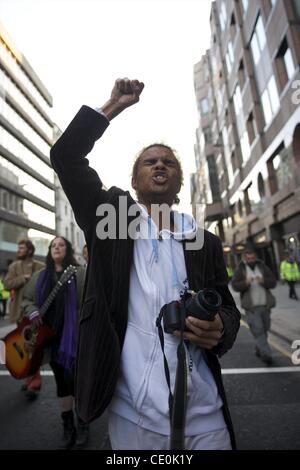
<point x="129" y="279"/>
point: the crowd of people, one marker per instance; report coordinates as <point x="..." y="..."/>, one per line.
<point x="27" y="284"/>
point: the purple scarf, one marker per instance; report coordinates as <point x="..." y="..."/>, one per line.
<point x="68" y="343"/>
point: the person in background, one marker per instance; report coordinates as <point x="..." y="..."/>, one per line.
<point x="4" y="296"/>
<point x="62" y="316"/>
<point x="19" y="273"/>
<point x="253" y="279"/>
<point x="230" y="271"/>
<point x="289" y="272"/>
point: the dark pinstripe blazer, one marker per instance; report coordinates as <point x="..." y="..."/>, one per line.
<point x="104" y="312"/>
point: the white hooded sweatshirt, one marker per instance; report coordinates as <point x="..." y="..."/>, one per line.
<point x="158" y="276"/>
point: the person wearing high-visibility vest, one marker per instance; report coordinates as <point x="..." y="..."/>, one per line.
<point x="230" y="271"/>
<point x="289" y="272"/>
<point x="4" y="296"/>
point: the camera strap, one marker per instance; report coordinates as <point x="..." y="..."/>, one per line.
<point x="178" y="401"/>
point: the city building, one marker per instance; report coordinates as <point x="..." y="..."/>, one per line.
<point x="27" y="197"/>
<point x="248" y="140"/>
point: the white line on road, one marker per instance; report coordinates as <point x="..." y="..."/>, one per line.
<point x="43" y="372"/>
<point x="255" y="370"/>
<point x="260" y="370"/>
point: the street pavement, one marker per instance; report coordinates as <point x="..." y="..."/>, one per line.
<point x="264" y="401"/>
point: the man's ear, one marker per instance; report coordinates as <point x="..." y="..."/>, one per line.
<point x="133" y="183"/>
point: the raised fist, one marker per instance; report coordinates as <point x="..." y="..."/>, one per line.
<point x="126" y="92"/>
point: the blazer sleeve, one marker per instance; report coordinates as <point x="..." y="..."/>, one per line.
<point x="238" y="281"/>
<point x="229" y="313"/>
<point x="80" y="182"/>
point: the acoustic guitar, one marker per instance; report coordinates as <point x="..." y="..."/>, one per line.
<point x="24" y="346"/>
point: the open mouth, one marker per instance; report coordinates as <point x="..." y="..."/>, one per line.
<point x="159" y="178"/>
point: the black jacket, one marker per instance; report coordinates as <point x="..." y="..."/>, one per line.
<point x="104" y="312"/>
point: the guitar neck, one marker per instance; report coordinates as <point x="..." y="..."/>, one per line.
<point x="43" y="309"/>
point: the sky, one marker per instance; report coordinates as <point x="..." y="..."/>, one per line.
<point x="78" y="48"/>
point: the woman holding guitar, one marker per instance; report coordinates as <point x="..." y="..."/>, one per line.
<point x="61" y="316"/>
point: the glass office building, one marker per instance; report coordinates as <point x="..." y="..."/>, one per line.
<point x="27" y="192"/>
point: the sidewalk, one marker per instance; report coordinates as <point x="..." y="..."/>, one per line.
<point x="285" y="318"/>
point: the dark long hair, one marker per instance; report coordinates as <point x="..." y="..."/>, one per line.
<point x="68" y="259"/>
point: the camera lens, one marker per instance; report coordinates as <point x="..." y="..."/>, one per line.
<point x="210" y="299"/>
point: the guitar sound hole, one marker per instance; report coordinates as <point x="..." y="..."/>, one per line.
<point x="28" y="334"/>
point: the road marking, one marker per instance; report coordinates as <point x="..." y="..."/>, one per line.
<point x="276" y="346"/>
<point x="254" y="370"/>
<point x="260" y="370"/>
<point x="43" y="372"/>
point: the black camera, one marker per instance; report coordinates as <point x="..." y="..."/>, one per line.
<point x="203" y="305"/>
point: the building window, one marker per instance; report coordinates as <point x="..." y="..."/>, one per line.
<point x="240" y="208"/>
<point x="4" y="200"/>
<point x="207" y="135"/>
<point x="296" y="4"/>
<point x="237" y="101"/>
<point x="229" y="57"/>
<point x="258" y="40"/>
<point x="280" y="170"/>
<point x="232" y="214"/>
<point x="204" y="106"/>
<point x="223" y="16"/>
<point x="245" y="5"/>
<point x="67" y="233"/>
<point x="227" y="154"/>
<point x="213" y="178"/>
<point x="21" y="208"/>
<point x="245" y="146"/>
<point x="261" y="186"/>
<point x="233" y="29"/>
<point x="247" y="201"/>
<point x="241" y="74"/>
<point x="11" y="202"/>
<point x="66" y="209"/>
<point x="251" y="128"/>
<point x="270" y="100"/>
<point x="284" y="64"/>
<point x="234" y="160"/>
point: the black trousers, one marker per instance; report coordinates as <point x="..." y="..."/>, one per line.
<point x="293" y="294"/>
<point x="64" y="380"/>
